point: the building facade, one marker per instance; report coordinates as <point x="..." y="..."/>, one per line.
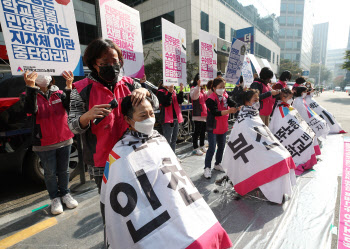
<point x="320" y="42"/>
<point x="296" y="31"/>
<point x="335" y="59"/>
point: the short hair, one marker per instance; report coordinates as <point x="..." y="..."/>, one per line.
<point x="218" y="73"/>
<point x="266" y="73"/>
<point x="286" y="75"/>
<point x="210" y="84"/>
<point x="127" y="107"/>
<point x="217" y="81"/>
<point x="299" y="90"/>
<point x="248" y="95"/>
<point x="195" y="79"/>
<point x="300" y="80"/>
<point x="96" y="48"/>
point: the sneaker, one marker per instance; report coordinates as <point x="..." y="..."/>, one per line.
<point x="56" y="206"/>
<point x="219" y="167"/>
<point x="204" y="149"/>
<point x="198" y="152"/>
<point x="69" y="201"/>
<point x="207" y="173"/>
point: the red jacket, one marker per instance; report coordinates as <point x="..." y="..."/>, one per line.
<point x="267" y="101"/>
<point x="217" y="124"/>
<point x="166" y="111"/>
<point x="199" y="107"/>
<point x="99" y="139"/>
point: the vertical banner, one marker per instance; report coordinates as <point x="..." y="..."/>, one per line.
<point x="174" y="54"/>
<point x="235" y="61"/>
<point x="267" y="64"/>
<point x="247" y="35"/>
<point x="344" y="216"/>
<point x="207" y="56"/>
<point x="121" y="24"/>
<point x="247" y="72"/>
<point x="255" y="63"/>
<point x="41" y="36"/>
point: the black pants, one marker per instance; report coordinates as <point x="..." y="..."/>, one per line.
<point x="199" y="131"/>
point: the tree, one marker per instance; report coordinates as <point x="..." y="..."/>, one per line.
<point x="326" y="74"/>
<point x="346" y="64"/>
<point x="338" y="80"/>
<point x="293" y="67"/>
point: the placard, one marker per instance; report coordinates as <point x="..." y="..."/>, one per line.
<point x="207" y="56"/>
<point x="247" y="72"/>
<point x="235" y="61"/>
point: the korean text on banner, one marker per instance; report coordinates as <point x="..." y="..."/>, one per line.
<point x="207" y="56"/>
<point x="255" y="63"/>
<point x="247" y="72"/>
<point x="174" y="54"/>
<point x="235" y="61"/>
<point x="247" y="36"/>
<point x="267" y="64"/>
<point x="121" y="24"/>
<point x="41" y="36"/>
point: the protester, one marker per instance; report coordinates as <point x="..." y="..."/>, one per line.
<point x="170" y="111"/>
<point x="209" y="87"/>
<point x="293" y="132"/>
<point x="51" y="137"/>
<point x="142" y="166"/>
<point x="199" y="115"/>
<point x="266" y="94"/>
<point x="283" y="80"/>
<point x="298" y="82"/>
<point x="219" y="107"/>
<point x="95" y="110"/>
<point x="254" y="158"/>
<point x="317" y="124"/>
<point x="238" y="90"/>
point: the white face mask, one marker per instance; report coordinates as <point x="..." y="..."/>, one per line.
<point x="145" y="126"/>
<point x="220" y="92"/>
<point x="304" y="95"/>
<point x="256" y="105"/>
<point x="289" y="101"/>
<point x="43" y="81"/>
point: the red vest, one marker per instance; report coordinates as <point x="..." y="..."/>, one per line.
<point x="282" y="83"/>
<point x="267" y="103"/>
<point x="220" y="122"/>
<point x="101" y="138"/>
<point x="199" y="107"/>
<point x="52" y="119"/>
<point x="167" y="111"/>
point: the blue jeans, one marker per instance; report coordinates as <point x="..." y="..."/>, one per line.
<point x="213" y="140"/>
<point x="170" y="131"/>
<point x="56" y="171"/>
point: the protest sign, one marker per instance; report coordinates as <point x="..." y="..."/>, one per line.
<point x="121" y="24"/>
<point x="207" y="56"/>
<point x="41" y="36"/>
<point x="247" y="72"/>
<point x="235" y="61"/>
<point x="174" y="54"/>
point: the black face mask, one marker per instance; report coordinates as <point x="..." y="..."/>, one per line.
<point x="110" y="73"/>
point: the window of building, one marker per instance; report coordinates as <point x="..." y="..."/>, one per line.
<point x="300" y="32"/>
<point x="298" y="20"/>
<point x="130" y="3"/>
<point x="152" y="29"/>
<point x="297" y="57"/>
<point x="204" y="21"/>
<point x="299" y="8"/>
<point x="282" y="32"/>
<point x="283" y="7"/>
<point x="233" y="33"/>
<point x="291" y="7"/>
<point x="282" y="44"/>
<point x="86" y="32"/>
<point x="290" y="32"/>
<point x="222" y="30"/>
<point x="273" y="57"/>
<point x="298" y="45"/>
<point x="289" y="44"/>
<point x="282" y="20"/>
<point x="262" y="51"/>
<point x="290" y="20"/>
<point x="277" y="59"/>
<point x="288" y="56"/>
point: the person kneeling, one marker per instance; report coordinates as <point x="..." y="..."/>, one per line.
<point x="147" y="198"/>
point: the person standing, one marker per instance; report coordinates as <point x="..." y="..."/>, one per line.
<point x="266" y="94"/>
<point x="283" y="80"/>
<point x="170" y="111"/>
<point x="199" y="115"/>
<point x="52" y="139"/>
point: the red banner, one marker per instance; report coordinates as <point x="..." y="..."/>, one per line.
<point x="3" y="52"/>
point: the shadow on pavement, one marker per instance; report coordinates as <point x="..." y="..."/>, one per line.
<point x="88" y="226"/>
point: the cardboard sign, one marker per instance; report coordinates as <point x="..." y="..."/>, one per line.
<point x="207" y="56"/>
<point x="41" y="36"/>
<point x="235" y="61"/>
<point x="174" y="54"/>
<point x="247" y="72"/>
<point x="121" y="24"/>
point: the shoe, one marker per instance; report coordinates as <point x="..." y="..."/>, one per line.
<point x="219" y="167"/>
<point x="207" y="173"/>
<point x="69" y="201"/>
<point x="198" y="152"/>
<point x="204" y="149"/>
<point x="56" y="206"/>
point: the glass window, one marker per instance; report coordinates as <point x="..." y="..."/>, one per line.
<point x="290" y="20"/>
<point x="289" y="44"/>
<point x="298" y="20"/>
<point x="131" y="3"/>
<point x="290" y="32"/>
<point x="298" y="45"/>
<point x="86" y="32"/>
<point x="204" y="21"/>
<point x="152" y="29"/>
<point x="299" y="8"/>
<point x="297" y="57"/>
<point x="277" y="60"/>
<point x="291" y="7"/>
<point x="282" y="44"/>
<point x="273" y="58"/>
<point x="282" y="32"/>
<point x="288" y="56"/>
<point x="233" y="33"/>
<point x="300" y="32"/>
<point x="222" y="30"/>
<point x="282" y="19"/>
<point x="283" y="7"/>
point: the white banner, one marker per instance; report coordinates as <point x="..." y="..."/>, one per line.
<point x="150" y="202"/>
<point x="323" y="113"/>
<point x="267" y="64"/>
<point x="247" y="72"/>
<point x="254" y="158"/>
<point x="207" y="56"/>
<point x="316" y="123"/>
<point x="255" y="63"/>
<point x="121" y="24"/>
<point x="297" y="137"/>
<point x="41" y="36"/>
<point x="235" y="61"/>
<point x="174" y="54"/>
